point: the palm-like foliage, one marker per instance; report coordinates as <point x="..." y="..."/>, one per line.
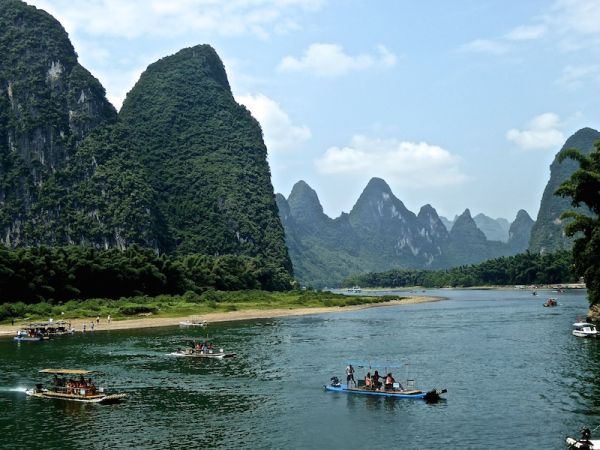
<point x="584" y="189"/>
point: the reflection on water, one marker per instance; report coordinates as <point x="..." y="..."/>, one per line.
<point x="515" y="376"/>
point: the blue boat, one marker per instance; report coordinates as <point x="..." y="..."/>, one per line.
<point x="429" y="396"/>
<point x="387" y="387"/>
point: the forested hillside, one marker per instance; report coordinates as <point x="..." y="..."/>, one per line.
<point x="525" y="268"/>
<point x="180" y="170"/>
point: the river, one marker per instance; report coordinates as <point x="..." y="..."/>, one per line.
<point x="515" y="375"/>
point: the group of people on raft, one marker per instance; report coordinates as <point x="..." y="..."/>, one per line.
<point x="74" y="387"/>
<point x="373" y="382"/>
<point x="203" y="347"/>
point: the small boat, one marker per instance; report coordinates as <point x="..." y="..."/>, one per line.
<point x="550" y="302"/>
<point x="41" y="331"/>
<point x="193" y="322"/>
<point x="76" y="390"/>
<point x="354" y="290"/>
<point x="585" y="329"/>
<point x="201" y="349"/>
<point x="370" y="386"/>
<point x="585" y="442"/>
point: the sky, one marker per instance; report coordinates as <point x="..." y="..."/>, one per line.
<point x="460" y="104"/>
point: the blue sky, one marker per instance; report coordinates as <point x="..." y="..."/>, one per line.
<point x="458" y="104"/>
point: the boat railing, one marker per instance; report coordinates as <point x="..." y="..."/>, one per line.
<point x="75" y="390"/>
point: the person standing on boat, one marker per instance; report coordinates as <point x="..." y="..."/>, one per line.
<point x="376" y="382"/>
<point x="368" y="381"/>
<point x="350" y="375"/>
<point x="389" y="381"/>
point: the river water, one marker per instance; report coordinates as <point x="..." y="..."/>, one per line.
<point x="515" y="375"/>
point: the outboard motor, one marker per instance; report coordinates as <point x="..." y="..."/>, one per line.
<point x="335" y="382"/>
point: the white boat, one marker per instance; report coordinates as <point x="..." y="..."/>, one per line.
<point x="193" y="323"/>
<point x="199" y="349"/>
<point x="354" y="290"/>
<point x="585" y="329"/>
<point x="75" y="390"/>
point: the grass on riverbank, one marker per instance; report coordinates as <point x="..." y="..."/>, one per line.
<point x="182" y="305"/>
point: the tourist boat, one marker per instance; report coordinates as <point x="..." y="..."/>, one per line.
<point x="193" y="322"/>
<point x="585" y="329"/>
<point x="395" y="390"/>
<point x="41" y="331"/>
<point x="585" y="442"/>
<point x="76" y="390"/>
<point x="201" y="349"/>
<point x="551" y="302"/>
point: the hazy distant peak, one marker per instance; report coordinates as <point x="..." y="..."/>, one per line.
<point x="427" y="209"/>
<point x="378" y="185"/>
<point x="304" y="201"/>
<point x="523" y="215"/>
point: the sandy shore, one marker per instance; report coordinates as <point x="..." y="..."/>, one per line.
<point x="150" y="322"/>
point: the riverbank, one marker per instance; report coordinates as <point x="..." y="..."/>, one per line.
<point x="229" y="316"/>
<point x="500" y="287"/>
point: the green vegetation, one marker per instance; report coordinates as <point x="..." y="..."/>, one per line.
<point x="190" y="303"/>
<point x="58" y="274"/>
<point x="380" y="233"/>
<point x="181" y="170"/>
<point x="525" y="268"/>
<point x="548" y="233"/>
<point x="584" y="189"/>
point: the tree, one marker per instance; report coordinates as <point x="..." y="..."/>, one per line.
<point x="584" y="189"/>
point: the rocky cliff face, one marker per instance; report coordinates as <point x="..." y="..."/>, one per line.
<point x="548" y="232"/>
<point x="181" y="169"/>
<point x="392" y="231"/>
<point x="48" y="104"/>
<point x="519" y="233"/>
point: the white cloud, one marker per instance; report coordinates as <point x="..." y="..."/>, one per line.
<point x="410" y="164"/>
<point x="279" y="132"/>
<point x="575" y="76"/>
<point x="136" y="18"/>
<point x="485" y="46"/>
<point x="526" y="33"/>
<point x="330" y="60"/>
<point x="577" y="16"/>
<point x="541" y="133"/>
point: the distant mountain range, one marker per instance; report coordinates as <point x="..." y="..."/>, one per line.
<point x="494" y="229"/>
<point x="380" y="233"/>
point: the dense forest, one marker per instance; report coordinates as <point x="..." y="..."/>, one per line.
<point x="524" y="268"/>
<point x="56" y="274"/>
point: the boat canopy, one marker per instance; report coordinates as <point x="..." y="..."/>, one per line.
<point x="376" y="364"/>
<point x="57" y="323"/>
<point x="66" y="371"/>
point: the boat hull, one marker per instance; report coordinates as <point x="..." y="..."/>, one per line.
<point x="432" y="395"/>
<point x="101" y="398"/>
<point x="203" y="355"/>
<point x="588" y="445"/>
<point x="583" y="334"/>
<point x="30" y="339"/>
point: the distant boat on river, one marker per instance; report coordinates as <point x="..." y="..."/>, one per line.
<point x="81" y="390"/>
<point x="585" y="329"/>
